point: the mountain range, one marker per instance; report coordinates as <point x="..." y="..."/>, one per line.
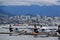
<point x="31" y="10"/>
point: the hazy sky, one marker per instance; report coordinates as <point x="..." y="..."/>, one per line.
<point x="30" y="2"/>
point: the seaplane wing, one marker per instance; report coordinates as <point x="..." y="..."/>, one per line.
<point x="49" y="28"/>
<point x="16" y="27"/>
<point x="33" y="28"/>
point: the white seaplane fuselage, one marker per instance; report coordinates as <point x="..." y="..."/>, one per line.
<point x="30" y="29"/>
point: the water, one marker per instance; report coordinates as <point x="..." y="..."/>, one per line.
<point x="27" y="37"/>
<point x="23" y="37"/>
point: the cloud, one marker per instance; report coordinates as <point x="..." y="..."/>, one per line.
<point x="30" y="2"/>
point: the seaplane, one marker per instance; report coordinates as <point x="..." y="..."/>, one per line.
<point x="45" y="31"/>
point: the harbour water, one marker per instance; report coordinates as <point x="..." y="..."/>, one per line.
<point x="26" y="37"/>
<point x="23" y="37"/>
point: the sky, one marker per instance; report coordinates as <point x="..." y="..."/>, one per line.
<point x="30" y="2"/>
<point x="41" y="7"/>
